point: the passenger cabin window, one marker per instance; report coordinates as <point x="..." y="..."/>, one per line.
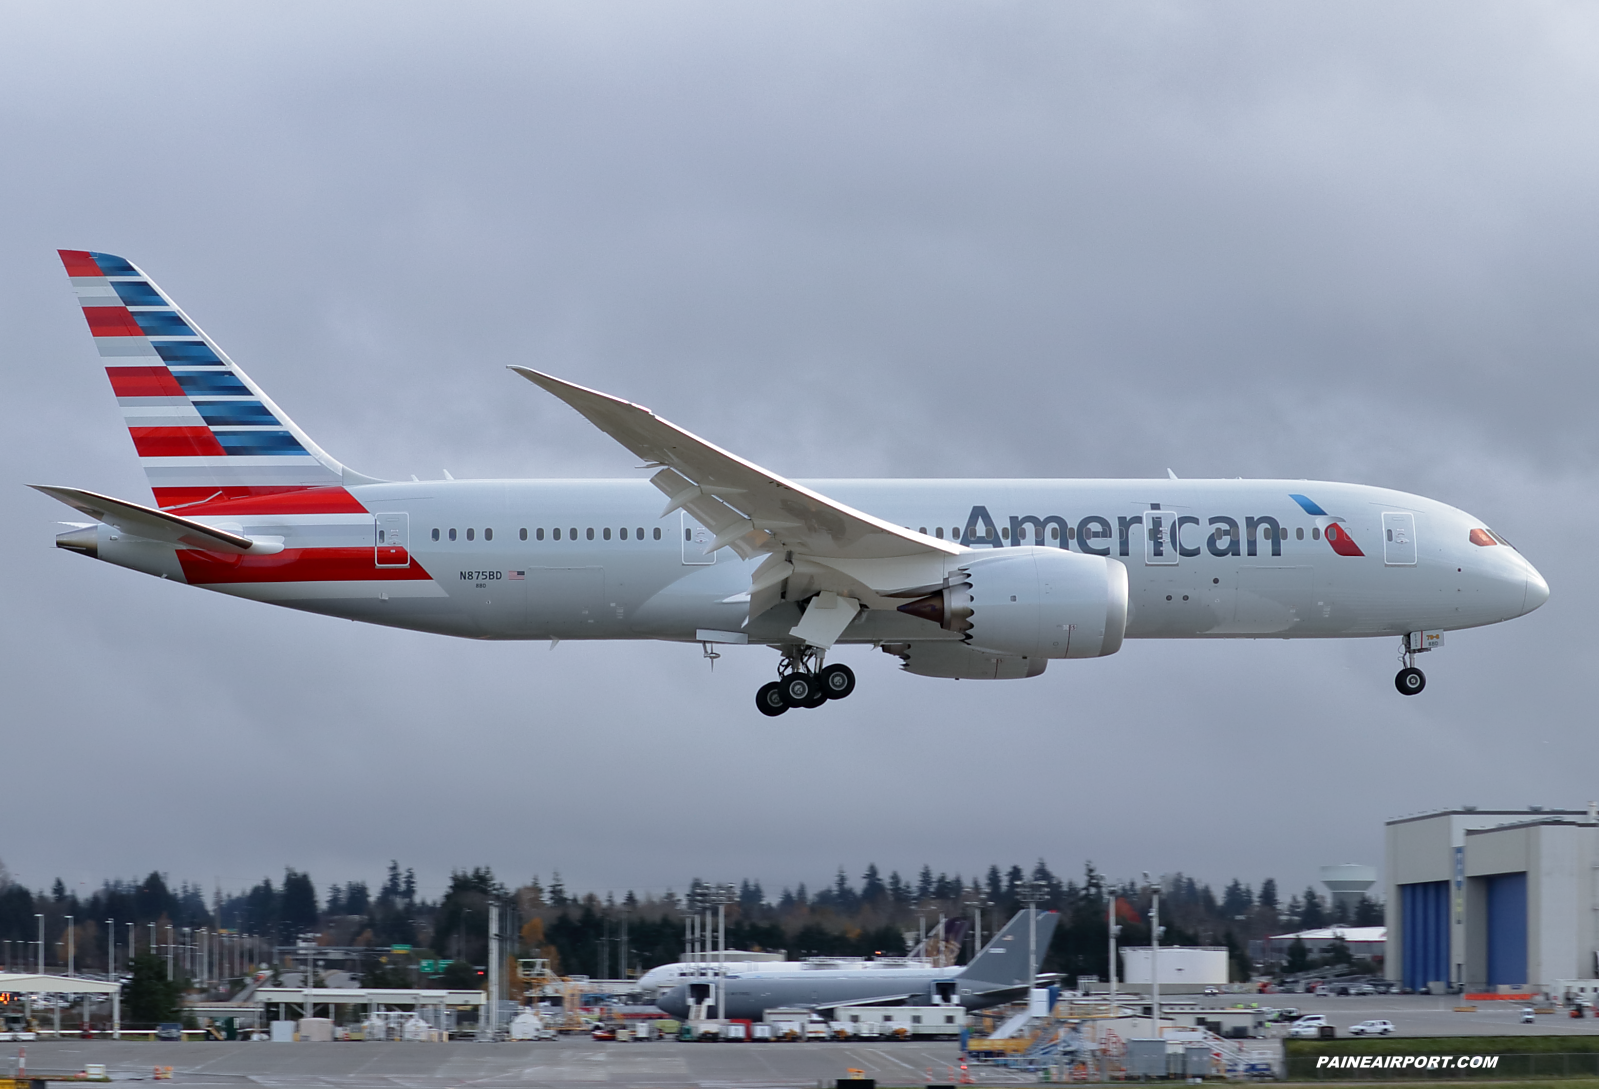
<point x="435" y="534"/>
<point x="606" y="533"/>
<point x="641" y="533"/>
<point x="471" y="534"/>
<point x="657" y="533"/>
<point x="922" y="530"/>
<point x="452" y="534"/>
<point x="539" y="533"/>
<point x="591" y="533"/>
<point x="623" y="532"/>
<point x="573" y="533"/>
<point x="557" y="533"/>
<point x="523" y="533"/>
<point x="488" y="534"/>
<point x="1299" y="533"/>
<point x="938" y="531"/>
<point x="1315" y="533"/>
<point x="1004" y="533"/>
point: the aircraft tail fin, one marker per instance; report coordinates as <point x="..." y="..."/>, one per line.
<point x="202" y="429"/>
<point x="1003" y="961"/>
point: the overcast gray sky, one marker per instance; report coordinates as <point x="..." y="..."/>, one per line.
<point x="1350" y="242"/>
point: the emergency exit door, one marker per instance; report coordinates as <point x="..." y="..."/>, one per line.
<point x="696" y="538"/>
<point x="393" y="540"/>
<point x="1160" y="537"/>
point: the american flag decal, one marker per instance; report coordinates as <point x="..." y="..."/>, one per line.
<point x="513" y="575"/>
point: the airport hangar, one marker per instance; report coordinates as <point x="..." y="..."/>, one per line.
<point x="1495" y="900"/>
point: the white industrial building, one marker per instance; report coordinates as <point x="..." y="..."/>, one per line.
<point x="1183" y="968"/>
<point x="1493" y="900"/>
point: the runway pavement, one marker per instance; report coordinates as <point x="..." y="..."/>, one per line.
<point x="558" y="1064"/>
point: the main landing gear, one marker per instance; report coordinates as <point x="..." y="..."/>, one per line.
<point x="1410" y="680"/>
<point x="804" y="682"/>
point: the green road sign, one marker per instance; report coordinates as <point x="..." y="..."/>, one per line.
<point x="399" y="948"/>
<point x="428" y="967"/>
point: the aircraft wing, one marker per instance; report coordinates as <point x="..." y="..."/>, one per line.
<point x="743" y="503"/>
<point x="752" y="510"/>
<point x="152" y="524"/>
<point x="876" y="1000"/>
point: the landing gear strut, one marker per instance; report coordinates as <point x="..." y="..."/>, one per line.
<point x="804" y="682"/>
<point x="1410" y="680"/>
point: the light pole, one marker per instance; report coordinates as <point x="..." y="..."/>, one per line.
<point x="977" y="904"/>
<point x="1115" y="932"/>
<point x="41" y="941"/>
<point x="72" y="947"/>
<point x="1154" y="950"/>
<point x="1030" y="894"/>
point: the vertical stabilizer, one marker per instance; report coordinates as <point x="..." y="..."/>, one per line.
<point x="1003" y="961"/>
<point x="203" y="431"/>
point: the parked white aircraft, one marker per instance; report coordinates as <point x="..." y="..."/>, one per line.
<point x="956" y="578"/>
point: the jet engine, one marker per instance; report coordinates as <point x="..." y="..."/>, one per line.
<point x="1033" y="601"/>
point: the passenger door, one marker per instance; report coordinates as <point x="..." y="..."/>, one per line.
<point x="1399" y="539"/>
<point x="393" y="540"/>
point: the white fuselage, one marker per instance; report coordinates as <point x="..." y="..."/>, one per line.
<point x="481" y="558"/>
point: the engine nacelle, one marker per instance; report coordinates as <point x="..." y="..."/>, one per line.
<point x="1034" y="601"/>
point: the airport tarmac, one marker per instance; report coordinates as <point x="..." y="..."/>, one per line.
<point x="1428" y="1015"/>
<point x="575" y="1062"/>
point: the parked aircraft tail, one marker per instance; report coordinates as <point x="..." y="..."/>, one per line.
<point x="1003" y="961"/>
<point x="204" y="432"/>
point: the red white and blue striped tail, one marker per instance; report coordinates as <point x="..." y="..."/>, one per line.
<point x="204" y="432"/>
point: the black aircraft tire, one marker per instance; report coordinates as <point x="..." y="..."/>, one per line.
<point x="769" y="698"/>
<point x="838" y="681"/>
<point x="1410" y="681"/>
<point x="798" y="689"/>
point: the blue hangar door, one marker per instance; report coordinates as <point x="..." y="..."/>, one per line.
<point x="1425" y="908"/>
<point x="1507" y="929"/>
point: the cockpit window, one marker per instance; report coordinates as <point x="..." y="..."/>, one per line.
<point x="1482" y="538"/>
<point x="1501" y="539"/>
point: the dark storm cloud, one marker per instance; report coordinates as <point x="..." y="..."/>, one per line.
<point x="1350" y="242"/>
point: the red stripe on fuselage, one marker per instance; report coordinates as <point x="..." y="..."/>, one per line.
<point x="79" y="263"/>
<point x="111" y="321"/>
<point x="1341" y="543"/>
<point x="294" y="565"/>
<point x="143" y="382"/>
<point x="176" y="442"/>
<point x="286" y="500"/>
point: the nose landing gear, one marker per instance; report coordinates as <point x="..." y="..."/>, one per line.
<point x="804" y="682"/>
<point x="1410" y="680"/>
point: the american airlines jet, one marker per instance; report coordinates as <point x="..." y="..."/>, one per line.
<point x="956" y="578"/>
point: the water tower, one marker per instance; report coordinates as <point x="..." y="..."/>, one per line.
<point x="1347" y="884"/>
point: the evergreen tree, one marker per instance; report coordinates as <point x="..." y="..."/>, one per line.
<point x="994" y="890"/>
<point x="1236" y="900"/>
<point x="391" y="886"/>
<point x="557" y="890"/>
<point x="1298" y="957"/>
<point x="299" y="913"/>
<point x="149" y="997"/>
<point x="1368" y="912"/>
<point x="1268" y="894"/>
<point x="408" y="888"/>
<point x="924" y="883"/>
<point x="1313" y="915"/>
<point x="356" y="899"/>
<point x="58" y="892"/>
<point x="873" y="892"/>
<point x="335" y="899"/>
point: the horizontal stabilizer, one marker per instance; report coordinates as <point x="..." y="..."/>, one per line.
<point x="1003" y="961"/>
<point x="156" y="525"/>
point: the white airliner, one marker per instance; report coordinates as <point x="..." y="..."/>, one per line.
<point x="956" y="578"/>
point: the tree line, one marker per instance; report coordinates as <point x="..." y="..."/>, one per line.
<point x="874" y="914"/>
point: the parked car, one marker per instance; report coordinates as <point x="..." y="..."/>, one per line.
<point x="1377" y="1027"/>
<point x="1312" y="1030"/>
<point x="1312" y="1019"/>
<point x="1528" y="1015"/>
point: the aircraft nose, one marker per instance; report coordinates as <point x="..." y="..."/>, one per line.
<point x="674" y="1002"/>
<point x="1537" y="591"/>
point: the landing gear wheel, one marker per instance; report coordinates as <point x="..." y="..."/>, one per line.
<point x="1410" y="681"/>
<point x="838" y="681"/>
<point x="769" y="698"/>
<point x="798" y="689"/>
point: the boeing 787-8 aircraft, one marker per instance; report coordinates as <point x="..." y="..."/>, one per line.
<point x="956" y="578"/>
